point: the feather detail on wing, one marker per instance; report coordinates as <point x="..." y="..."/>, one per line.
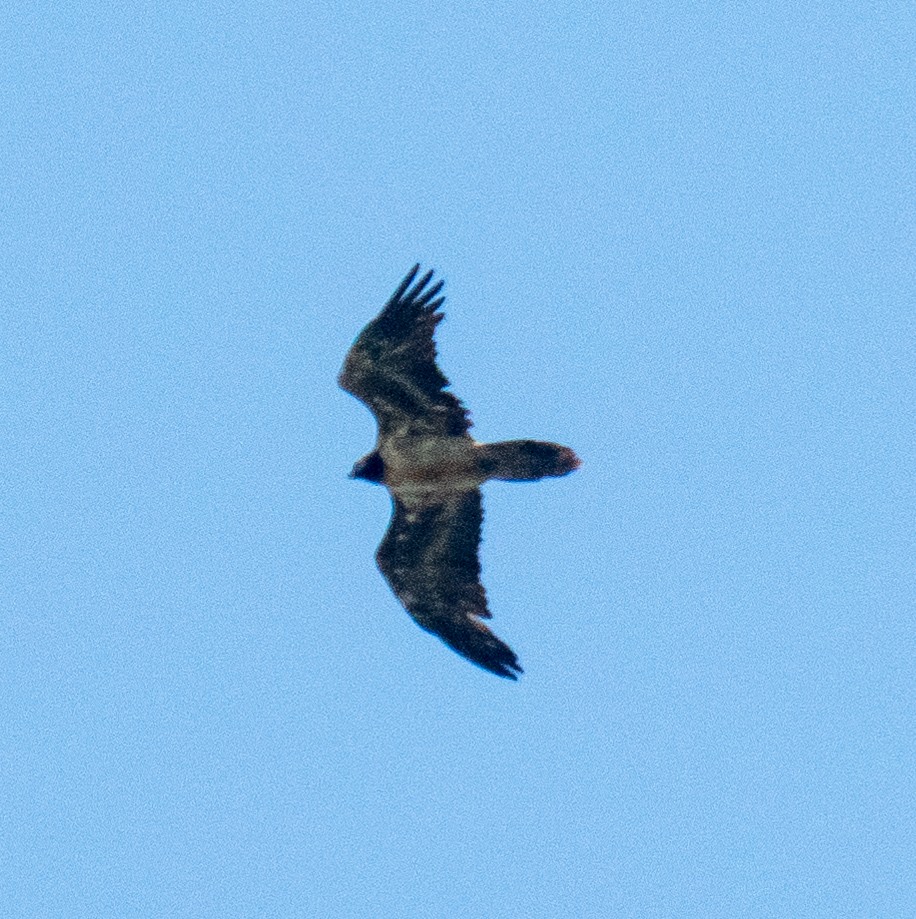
<point x="391" y="366"/>
<point x="429" y="557"/>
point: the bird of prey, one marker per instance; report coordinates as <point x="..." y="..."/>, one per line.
<point x="433" y="470"/>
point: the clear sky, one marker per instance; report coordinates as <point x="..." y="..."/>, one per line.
<point x="680" y="238"/>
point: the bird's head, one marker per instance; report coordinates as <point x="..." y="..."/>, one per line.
<point x="370" y="467"/>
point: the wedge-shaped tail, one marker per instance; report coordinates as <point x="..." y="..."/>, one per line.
<point x="526" y="460"/>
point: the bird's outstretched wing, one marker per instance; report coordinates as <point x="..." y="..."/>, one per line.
<point x="429" y="557"/>
<point x="391" y="366"/>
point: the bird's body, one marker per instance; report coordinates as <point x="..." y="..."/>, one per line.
<point x="426" y="462"/>
<point x="433" y="469"/>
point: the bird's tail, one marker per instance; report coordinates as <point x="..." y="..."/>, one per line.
<point x="526" y="460"/>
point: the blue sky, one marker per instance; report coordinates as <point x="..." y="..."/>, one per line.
<point x="679" y="238"/>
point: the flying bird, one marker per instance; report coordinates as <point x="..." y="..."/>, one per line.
<point x="433" y="470"/>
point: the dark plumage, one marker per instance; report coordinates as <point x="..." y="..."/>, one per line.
<point x="433" y="469"/>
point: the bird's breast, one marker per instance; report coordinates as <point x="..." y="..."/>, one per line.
<point x="431" y="463"/>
